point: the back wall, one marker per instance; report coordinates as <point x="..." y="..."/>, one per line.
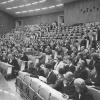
<point x="7" y="22"/>
<point x="47" y="18"/>
<point x="82" y="11"/>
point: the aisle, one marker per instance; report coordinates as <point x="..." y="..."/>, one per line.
<point x="8" y="90"/>
<point x="11" y="84"/>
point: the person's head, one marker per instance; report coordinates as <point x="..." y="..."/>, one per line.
<point x="9" y="56"/>
<point x="81" y="64"/>
<point x="92" y="50"/>
<point x="4" y="54"/>
<point x="59" y="58"/>
<point x="69" y="76"/>
<point x="95" y="56"/>
<point x="66" y="68"/>
<point x="82" y="48"/>
<point x="61" y="71"/>
<point x="48" y="66"/>
<point x="72" y="68"/>
<point x="79" y="85"/>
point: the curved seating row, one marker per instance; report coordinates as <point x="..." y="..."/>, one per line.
<point x="36" y="89"/>
<point x="95" y="92"/>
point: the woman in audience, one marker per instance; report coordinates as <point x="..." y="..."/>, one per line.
<point x="59" y="63"/>
<point x="82" y="92"/>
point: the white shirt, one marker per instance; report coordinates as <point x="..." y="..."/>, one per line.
<point x="59" y="65"/>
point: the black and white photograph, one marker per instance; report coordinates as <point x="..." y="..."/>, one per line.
<point x="49" y="49"/>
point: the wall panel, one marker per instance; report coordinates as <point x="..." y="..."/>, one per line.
<point x="47" y="18"/>
<point x="7" y="22"/>
<point x="82" y="11"/>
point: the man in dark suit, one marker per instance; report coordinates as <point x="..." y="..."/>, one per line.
<point x="52" y="77"/>
<point x="83" y="42"/>
<point x="83" y="72"/>
<point x="81" y="91"/>
<point x="4" y="58"/>
<point x="96" y="61"/>
<point x="16" y="67"/>
<point x="25" y="58"/>
<point x="59" y="83"/>
<point x="68" y="82"/>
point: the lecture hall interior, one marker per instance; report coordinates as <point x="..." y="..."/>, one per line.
<point x="49" y="49"/>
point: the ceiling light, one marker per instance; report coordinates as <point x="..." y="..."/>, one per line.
<point x="24" y="11"/>
<point x="36" y="9"/>
<point x="10" y="1"/>
<point x="21" y="6"/>
<point x="5" y="2"/>
<point x="42" y="1"/>
<point x="18" y="12"/>
<point x="44" y="8"/>
<point x="34" y="3"/>
<point x="8" y="8"/>
<point x="14" y="7"/>
<point x="30" y="10"/>
<point x="26" y="5"/>
<point x="59" y="5"/>
<point x="51" y="7"/>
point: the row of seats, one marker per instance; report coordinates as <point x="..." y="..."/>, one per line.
<point x="36" y="89"/>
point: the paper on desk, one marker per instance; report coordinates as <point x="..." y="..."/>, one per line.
<point x="9" y="70"/>
<point x="43" y="79"/>
<point x="22" y="66"/>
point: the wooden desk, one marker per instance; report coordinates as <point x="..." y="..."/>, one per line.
<point x="5" y="68"/>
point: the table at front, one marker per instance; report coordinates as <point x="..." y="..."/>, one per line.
<point x="5" y="69"/>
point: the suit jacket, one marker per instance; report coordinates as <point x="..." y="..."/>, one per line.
<point x="59" y="65"/>
<point x="24" y="58"/>
<point x="51" y="79"/>
<point x="4" y="60"/>
<point x="97" y="66"/>
<point x="15" y="64"/>
<point x="91" y="65"/>
<point x="81" y="73"/>
<point x="69" y="89"/>
<point x="86" y="95"/>
<point x="59" y="85"/>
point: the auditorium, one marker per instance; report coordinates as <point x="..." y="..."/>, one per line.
<point x="49" y="49"/>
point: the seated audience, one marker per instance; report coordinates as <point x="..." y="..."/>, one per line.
<point x="52" y="77"/>
<point x="82" y="92"/>
<point x="68" y="82"/>
<point x="59" y="83"/>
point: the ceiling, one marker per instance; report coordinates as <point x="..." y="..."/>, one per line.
<point x="21" y="8"/>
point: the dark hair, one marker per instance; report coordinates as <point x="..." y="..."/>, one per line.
<point x="61" y="71"/>
<point x="72" y="68"/>
<point x="66" y="68"/>
<point x="48" y="65"/>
